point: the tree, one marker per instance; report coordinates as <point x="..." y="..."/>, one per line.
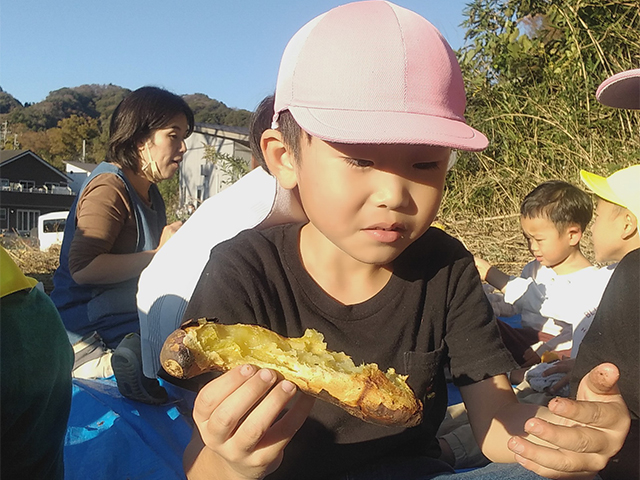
<point x="235" y="168"/>
<point x="170" y="191"/>
<point x="532" y="68"/>
<point x="66" y="140"/>
<point x="36" y="141"/>
<point x="207" y="110"/>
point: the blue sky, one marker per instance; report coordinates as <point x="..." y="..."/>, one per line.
<point x="229" y="50"/>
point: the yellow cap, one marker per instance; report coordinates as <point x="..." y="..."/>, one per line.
<point x="621" y="188"/>
<point x="11" y="277"/>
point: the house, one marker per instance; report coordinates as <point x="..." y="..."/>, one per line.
<point x="200" y="179"/>
<point x="30" y="187"/>
<point x="78" y="172"/>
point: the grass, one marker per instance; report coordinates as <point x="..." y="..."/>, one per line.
<point x="33" y="262"/>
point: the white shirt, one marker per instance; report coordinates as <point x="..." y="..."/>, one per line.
<point x="560" y="305"/>
<point x="166" y="285"/>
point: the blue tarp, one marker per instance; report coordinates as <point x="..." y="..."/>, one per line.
<point x="515" y="321"/>
<point x="110" y="437"/>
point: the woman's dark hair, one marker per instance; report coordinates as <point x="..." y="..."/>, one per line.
<point x="134" y="120"/>
<point x="562" y="203"/>
<point x="287" y="126"/>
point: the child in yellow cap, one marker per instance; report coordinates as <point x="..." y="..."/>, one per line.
<point x="614" y="334"/>
<point x="615" y="230"/>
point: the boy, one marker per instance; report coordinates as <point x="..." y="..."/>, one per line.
<point x="369" y="102"/>
<point x="613" y="336"/>
<point x="558" y="293"/>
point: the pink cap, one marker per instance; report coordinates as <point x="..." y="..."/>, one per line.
<point x="621" y="90"/>
<point x="374" y="72"/>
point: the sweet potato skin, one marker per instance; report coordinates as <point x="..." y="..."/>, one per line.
<point x="375" y="404"/>
<point x="177" y="359"/>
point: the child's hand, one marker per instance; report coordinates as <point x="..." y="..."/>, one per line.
<point x="563" y="366"/>
<point x="483" y="267"/>
<point x="585" y="433"/>
<point x="236" y="416"/>
<point x="167" y="232"/>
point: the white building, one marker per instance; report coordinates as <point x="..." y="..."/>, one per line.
<point x="78" y="171"/>
<point x="200" y="179"/>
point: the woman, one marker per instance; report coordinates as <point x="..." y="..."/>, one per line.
<point x="118" y="222"/>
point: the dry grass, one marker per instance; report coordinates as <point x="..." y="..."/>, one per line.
<point x="497" y="239"/>
<point x="33" y="262"/>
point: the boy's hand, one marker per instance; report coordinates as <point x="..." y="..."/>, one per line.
<point x="483" y="267"/>
<point x="563" y="366"/>
<point x="237" y="417"/>
<point x="589" y="431"/>
<point x="167" y="232"/>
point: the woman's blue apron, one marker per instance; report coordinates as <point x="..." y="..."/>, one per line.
<point x="108" y="309"/>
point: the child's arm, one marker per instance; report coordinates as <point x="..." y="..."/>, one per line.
<point x="236" y="437"/>
<point x="563" y="366"/>
<point x="569" y="436"/>
<point x="490" y="274"/>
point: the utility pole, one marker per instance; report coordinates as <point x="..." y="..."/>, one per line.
<point x="5" y="132"/>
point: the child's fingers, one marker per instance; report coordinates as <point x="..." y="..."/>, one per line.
<point x="214" y="392"/>
<point x="600" y="383"/>
<point x="555" y="463"/>
<point x="254" y="427"/>
<point x="258" y="443"/>
<point x="610" y="415"/>
<point x="232" y="411"/>
<point x="581" y="439"/>
<point x="285" y="428"/>
<point x="584" y="446"/>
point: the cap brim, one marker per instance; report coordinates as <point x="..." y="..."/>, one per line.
<point x="388" y="127"/>
<point x="621" y="90"/>
<point x="600" y="186"/>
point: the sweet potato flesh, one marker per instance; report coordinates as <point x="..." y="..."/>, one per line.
<point x="304" y="357"/>
<point x="364" y="391"/>
<point x="239" y="344"/>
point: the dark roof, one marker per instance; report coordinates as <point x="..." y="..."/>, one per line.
<point x="9" y="156"/>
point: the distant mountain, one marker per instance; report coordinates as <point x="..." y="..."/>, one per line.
<point x="8" y="102"/>
<point x="73" y="123"/>
<point x="99" y="101"/>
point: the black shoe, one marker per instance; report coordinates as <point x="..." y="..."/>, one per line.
<point x="127" y="368"/>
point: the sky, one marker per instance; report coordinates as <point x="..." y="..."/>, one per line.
<point x="229" y="50"/>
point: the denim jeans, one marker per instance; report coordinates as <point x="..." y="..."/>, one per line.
<point x="423" y="468"/>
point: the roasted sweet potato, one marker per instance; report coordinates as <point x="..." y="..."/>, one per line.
<point x="364" y="391"/>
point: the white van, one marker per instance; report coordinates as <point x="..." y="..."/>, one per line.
<point x="51" y="229"/>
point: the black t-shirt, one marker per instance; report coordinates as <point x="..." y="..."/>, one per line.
<point x="431" y="311"/>
<point x="614" y="336"/>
